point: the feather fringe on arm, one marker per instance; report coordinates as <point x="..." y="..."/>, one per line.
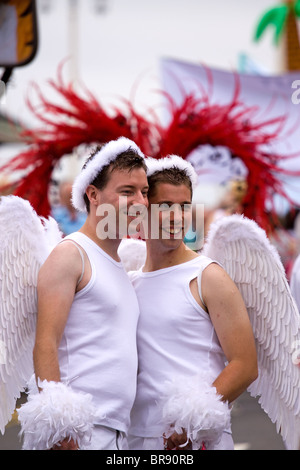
<point x="54" y="414"/>
<point x="194" y="405"/>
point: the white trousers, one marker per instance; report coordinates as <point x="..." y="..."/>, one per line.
<point x="104" y="438"/>
<point x="156" y="443"/>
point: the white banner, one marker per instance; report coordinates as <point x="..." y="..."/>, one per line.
<point x="272" y="96"/>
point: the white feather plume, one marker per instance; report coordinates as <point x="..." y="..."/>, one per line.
<point x="192" y="403"/>
<point x="132" y="253"/>
<point x="55" y="413"/>
<point x="244" y="251"/>
<point x="24" y="246"/>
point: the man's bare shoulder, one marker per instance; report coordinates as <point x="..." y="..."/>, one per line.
<point x="214" y="274"/>
<point x="63" y="259"/>
<point x="217" y="284"/>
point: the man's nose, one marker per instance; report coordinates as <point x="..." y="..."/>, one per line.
<point x="139" y="198"/>
<point x="176" y="214"/>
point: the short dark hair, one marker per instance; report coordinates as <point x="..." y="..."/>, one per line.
<point x="128" y="160"/>
<point x="175" y="176"/>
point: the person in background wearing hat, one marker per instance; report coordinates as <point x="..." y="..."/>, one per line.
<point x="68" y="218"/>
<point x="88" y="311"/>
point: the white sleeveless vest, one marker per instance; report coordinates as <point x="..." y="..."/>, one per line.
<point x="98" y="352"/>
<point x="168" y="311"/>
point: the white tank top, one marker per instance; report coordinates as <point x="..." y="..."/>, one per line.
<point x="168" y="310"/>
<point x="98" y="352"/>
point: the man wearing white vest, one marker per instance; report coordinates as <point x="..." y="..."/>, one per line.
<point x="200" y="341"/>
<point x="85" y="354"/>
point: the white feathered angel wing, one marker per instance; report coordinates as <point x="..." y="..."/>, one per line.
<point x="244" y="251"/>
<point x="25" y="243"/>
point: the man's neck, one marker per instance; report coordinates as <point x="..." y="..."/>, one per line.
<point x="110" y="246"/>
<point x="162" y="257"/>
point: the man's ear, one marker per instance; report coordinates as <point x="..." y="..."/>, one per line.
<point x="93" y="194"/>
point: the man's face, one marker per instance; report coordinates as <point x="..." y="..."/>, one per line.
<point x="125" y="198"/>
<point x="170" y="213"/>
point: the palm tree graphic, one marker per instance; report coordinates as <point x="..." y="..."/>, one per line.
<point x="283" y="18"/>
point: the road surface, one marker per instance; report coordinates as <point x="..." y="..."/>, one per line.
<point x="251" y="427"/>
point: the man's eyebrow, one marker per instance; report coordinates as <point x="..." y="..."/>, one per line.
<point x="172" y="202"/>
<point x="132" y="186"/>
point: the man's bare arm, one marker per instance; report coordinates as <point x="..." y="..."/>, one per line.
<point x="56" y="288"/>
<point x="233" y="328"/>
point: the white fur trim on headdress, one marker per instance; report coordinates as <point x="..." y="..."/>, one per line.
<point x="107" y="154"/>
<point x="192" y="403"/>
<point x="155" y="165"/>
<point x="55" y="413"/>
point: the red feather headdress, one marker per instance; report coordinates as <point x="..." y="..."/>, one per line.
<point x="196" y="121"/>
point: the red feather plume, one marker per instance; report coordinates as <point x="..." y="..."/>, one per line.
<point x="65" y="127"/>
<point x="194" y="122"/>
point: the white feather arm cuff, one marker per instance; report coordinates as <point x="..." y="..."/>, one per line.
<point x="193" y="404"/>
<point x="54" y="414"/>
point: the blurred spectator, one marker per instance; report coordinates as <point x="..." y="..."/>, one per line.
<point x="229" y="205"/>
<point x="286" y="239"/>
<point x="68" y="219"/>
<point x="7" y="185"/>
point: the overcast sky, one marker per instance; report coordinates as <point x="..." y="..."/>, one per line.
<point x="111" y="50"/>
